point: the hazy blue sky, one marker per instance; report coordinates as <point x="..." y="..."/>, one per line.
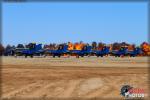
<point x="74" y="21"/>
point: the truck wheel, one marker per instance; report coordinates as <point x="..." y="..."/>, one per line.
<point x="31" y="56"/>
<point x="15" y="55"/>
<point x="122" y="56"/>
<point x="69" y="56"/>
<point x="44" y="56"/>
<point x="77" y="56"/>
<point x="25" y="56"/>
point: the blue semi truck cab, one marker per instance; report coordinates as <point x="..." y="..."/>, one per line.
<point x="32" y="49"/>
<point x="101" y="53"/>
<point x="86" y="51"/>
<point x="121" y="52"/>
<point x="62" y="49"/>
<point x="135" y="52"/>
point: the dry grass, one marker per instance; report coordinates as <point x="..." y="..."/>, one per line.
<point x="71" y="78"/>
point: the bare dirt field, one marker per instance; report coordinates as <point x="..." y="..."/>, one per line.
<point x="72" y="78"/>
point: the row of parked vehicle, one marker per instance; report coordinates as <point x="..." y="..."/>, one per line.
<point x="33" y="49"/>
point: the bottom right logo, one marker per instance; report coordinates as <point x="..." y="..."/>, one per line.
<point x="130" y="92"/>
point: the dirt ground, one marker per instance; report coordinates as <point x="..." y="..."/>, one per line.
<point x="72" y="78"/>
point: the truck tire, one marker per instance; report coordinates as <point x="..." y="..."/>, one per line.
<point x="77" y="56"/>
<point x="31" y="56"/>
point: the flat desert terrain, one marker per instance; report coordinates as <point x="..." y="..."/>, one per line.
<point x="62" y="78"/>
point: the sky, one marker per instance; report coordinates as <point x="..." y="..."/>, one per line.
<point x="59" y="22"/>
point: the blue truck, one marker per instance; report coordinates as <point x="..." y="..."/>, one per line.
<point x="135" y="52"/>
<point x="101" y="53"/>
<point x="31" y="50"/>
<point x="10" y="51"/>
<point x="62" y="49"/>
<point x="86" y="51"/>
<point x="118" y="53"/>
<point x="125" y="52"/>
